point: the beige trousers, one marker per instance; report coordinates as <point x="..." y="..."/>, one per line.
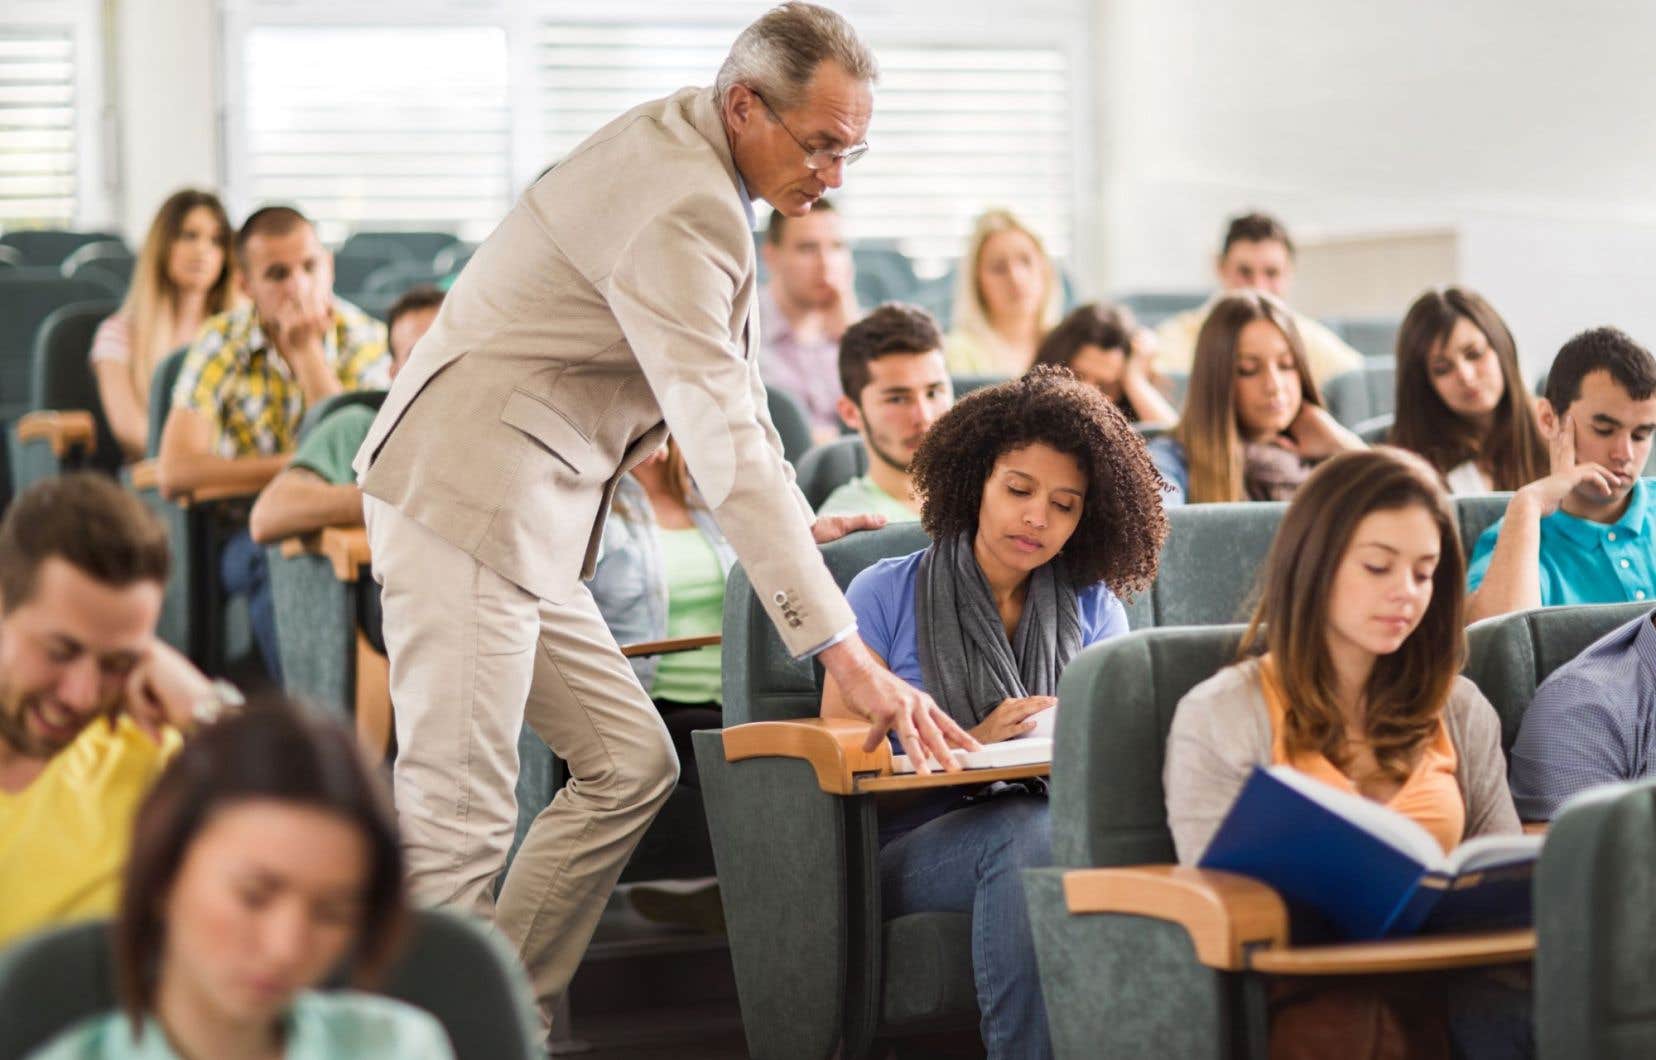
<point x="473" y="657"/>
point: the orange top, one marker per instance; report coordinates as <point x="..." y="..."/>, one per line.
<point x="1430" y="796"/>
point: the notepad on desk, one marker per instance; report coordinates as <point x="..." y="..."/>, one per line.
<point x="1024" y="751"/>
<point x="1368" y="870"/>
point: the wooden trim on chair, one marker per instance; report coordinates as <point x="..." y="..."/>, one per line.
<point x="833" y="746"/>
<point x="146" y="475"/>
<point x="669" y="646"/>
<point x="1421" y="953"/>
<point x="209" y="494"/>
<point x="1535" y="827"/>
<point x="347" y="549"/>
<point x="1239" y="924"/>
<point x="62" y="430"/>
<point x="938" y="778"/>
<point x="1225" y="914"/>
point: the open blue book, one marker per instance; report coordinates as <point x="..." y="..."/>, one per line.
<point x="1367" y="870"/>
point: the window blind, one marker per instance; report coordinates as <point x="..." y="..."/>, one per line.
<point x="37" y="127"/>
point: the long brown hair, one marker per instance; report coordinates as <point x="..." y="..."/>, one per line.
<point x="151" y="304"/>
<point x="270" y="751"/>
<point x="1409" y="688"/>
<point x="1208" y="429"/>
<point x="1513" y="449"/>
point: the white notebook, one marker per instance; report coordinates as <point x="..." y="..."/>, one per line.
<point x="1023" y="751"/>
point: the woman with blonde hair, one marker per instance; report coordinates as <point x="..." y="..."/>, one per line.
<point x="1006" y="299"/>
<point x="1254" y="425"/>
<point x="184" y="274"/>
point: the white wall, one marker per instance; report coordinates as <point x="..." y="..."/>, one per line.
<point x="1525" y="130"/>
<point x="166" y="97"/>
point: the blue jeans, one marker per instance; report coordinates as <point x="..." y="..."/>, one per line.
<point x="242" y="570"/>
<point x="971" y="860"/>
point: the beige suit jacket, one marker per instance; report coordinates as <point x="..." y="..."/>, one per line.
<point x="619" y="293"/>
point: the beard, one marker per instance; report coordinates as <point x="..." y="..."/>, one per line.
<point x="878" y="451"/>
<point x="15" y="733"/>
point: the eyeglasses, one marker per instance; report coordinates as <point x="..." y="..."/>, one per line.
<point x="816" y="158"/>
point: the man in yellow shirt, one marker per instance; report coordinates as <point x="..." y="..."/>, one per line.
<point x="90" y="702"/>
<point x="1257" y="254"/>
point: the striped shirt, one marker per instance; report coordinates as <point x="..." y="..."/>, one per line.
<point x="1593" y="722"/>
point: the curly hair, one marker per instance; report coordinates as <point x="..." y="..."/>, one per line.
<point x="1119" y="537"/>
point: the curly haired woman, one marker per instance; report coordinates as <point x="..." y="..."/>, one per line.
<point x="1042" y="506"/>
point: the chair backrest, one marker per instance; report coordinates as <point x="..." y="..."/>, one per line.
<point x="27" y="298"/>
<point x="1476" y="513"/>
<point x="454" y="969"/>
<point x="397" y="277"/>
<point x="62" y="372"/>
<point x="1212" y="558"/>
<point x="1595" y="959"/>
<point x="419" y="247"/>
<point x="762" y="681"/>
<point x="1374" y="337"/>
<point x="883" y="274"/>
<point x="965" y="384"/>
<point x="790" y="422"/>
<point x="1362" y="393"/>
<point x="1152" y="307"/>
<point x="323" y="409"/>
<point x="1375" y="431"/>
<point x="50" y="246"/>
<point x="827" y="467"/>
<point x="1115" y="708"/>
<point x="160" y="396"/>
<point x="352" y="268"/>
<point x="1510" y="655"/>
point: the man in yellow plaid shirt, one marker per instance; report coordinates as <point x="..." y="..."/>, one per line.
<point x="251" y="374"/>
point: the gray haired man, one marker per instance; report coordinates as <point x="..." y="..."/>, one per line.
<point x="614" y="304"/>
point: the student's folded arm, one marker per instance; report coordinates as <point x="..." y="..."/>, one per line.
<point x="1570" y="740"/>
<point x="1511" y="579"/>
<point x="186" y="462"/>
<point x="298" y="501"/>
<point x="128" y="421"/>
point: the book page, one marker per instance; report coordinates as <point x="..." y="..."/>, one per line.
<point x="1488" y="851"/>
<point x="1046" y="725"/>
<point x="1020" y="752"/>
<point x="1383" y="823"/>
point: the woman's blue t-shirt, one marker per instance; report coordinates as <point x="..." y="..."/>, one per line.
<point x="882" y="598"/>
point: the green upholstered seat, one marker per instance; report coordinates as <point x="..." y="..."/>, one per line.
<point x="1476" y="513"/>
<point x="1209" y="564"/>
<point x="1362" y="393"/>
<point x="459" y="971"/>
<point x="1373" y="337"/>
<point x="1595" y="896"/>
<point x="62" y="380"/>
<point x="790" y="421"/>
<point x="827" y="467"/>
<point x="51" y="247"/>
<point x="421" y="247"/>
<point x="817" y="966"/>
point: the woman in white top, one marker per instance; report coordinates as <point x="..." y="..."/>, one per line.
<point x="1007" y="298"/>
<point x="184" y="274"/>
<point x="1461" y="398"/>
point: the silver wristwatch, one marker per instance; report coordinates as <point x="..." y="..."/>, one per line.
<point x="221" y="698"/>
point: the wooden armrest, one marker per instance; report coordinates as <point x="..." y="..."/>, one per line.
<point x="1421" y="953"/>
<point x="669" y="646"/>
<point x="347" y="549"/>
<point x="1240" y="924"/>
<point x="146" y="475"/>
<point x="209" y="494"/>
<point x="1535" y="827"/>
<point x="60" y="430"/>
<point x="1225" y="914"/>
<point x="307" y="544"/>
<point x="834" y="747"/>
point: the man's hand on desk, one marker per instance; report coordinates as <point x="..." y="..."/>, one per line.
<point x="892" y="705"/>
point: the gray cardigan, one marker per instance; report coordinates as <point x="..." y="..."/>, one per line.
<point x="1222" y="729"/>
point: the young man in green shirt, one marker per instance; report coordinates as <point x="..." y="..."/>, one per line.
<point x="318" y="488"/>
<point x="896" y="385"/>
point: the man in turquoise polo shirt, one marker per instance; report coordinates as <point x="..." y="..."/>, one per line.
<point x="1583" y="534"/>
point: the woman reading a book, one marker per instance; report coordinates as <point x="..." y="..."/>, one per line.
<point x="1350" y="673"/>
<point x="1042" y="506"/>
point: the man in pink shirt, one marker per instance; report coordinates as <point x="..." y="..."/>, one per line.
<point x="804" y="309"/>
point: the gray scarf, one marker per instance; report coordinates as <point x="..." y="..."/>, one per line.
<point x="967" y="661"/>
